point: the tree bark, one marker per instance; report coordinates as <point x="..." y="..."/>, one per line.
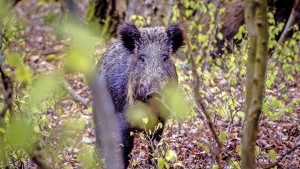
<point x="158" y="11"/>
<point x="257" y="26"/>
<point x="71" y="7"/>
<point x="109" y="13"/>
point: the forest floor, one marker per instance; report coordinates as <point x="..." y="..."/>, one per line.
<point x="45" y="53"/>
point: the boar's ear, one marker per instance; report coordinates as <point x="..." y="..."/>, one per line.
<point x="175" y="35"/>
<point x="129" y="35"/>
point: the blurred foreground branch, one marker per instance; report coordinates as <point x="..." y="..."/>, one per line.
<point x="197" y="96"/>
<point x="106" y="127"/>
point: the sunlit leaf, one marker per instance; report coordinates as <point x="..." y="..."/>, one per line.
<point x="14" y="60"/>
<point x="137" y="115"/>
<point x="223" y="136"/>
<point x="23" y="73"/>
<point x="161" y="163"/>
<point x="272" y="154"/>
<point x="20" y="133"/>
<point x="171" y="156"/>
<point x="42" y="86"/>
<point x="175" y="99"/>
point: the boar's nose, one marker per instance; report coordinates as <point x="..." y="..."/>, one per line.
<point x="153" y="95"/>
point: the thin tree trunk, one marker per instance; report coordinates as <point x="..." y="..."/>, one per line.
<point x="257" y="26"/>
<point x="250" y="20"/>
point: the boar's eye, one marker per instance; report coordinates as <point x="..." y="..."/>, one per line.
<point x="142" y="58"/>
<point x="165" y="58"/>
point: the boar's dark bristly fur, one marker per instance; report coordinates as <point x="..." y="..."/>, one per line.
<point x="137" y="64"/>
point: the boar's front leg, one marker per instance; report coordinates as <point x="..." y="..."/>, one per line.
<point x="127" y="144"/>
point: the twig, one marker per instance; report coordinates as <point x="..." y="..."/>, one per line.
<point x="197" y="96"/>
<point x="290" y="21"/>
<point x="295" y="147"/>
<point x="73" y="95"/>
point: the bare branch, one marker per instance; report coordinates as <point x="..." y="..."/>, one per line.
<point x="73" y="95"/>
<point x="290" y="21"/>
<point x="295" y="147"/>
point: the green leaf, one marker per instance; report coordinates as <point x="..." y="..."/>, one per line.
<point x="145" y="120"/>
<point x="206" y="148"/>
<point x="272" y="154"/>
<point x="220" y="36"/>
<point x="2" y="130"/>
<point x="161" y="163"/>
<point x="137" y="115"/>
<point x="215" y="166"/>
<point x="171" y="156"/>
<point x="23" y="73"/>
<point x="20" y="133"/>
<point x="36" y="129"/>
<point x="222" y="136"/>
<point x="14" y="60"/>
<point x="175" y="99"/>
<point x="43" y="87"/>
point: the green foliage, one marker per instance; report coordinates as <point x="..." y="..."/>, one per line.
<point x="87" y="157"/>
<point x="19" y="133"/>
<point x="38" y="94"/>
<point x="222" y="80"/>
<point x="140" y="21"/>
<point x="80" y="53"/>
<point x="139" y="115"/>
<point x="175" y="100"/>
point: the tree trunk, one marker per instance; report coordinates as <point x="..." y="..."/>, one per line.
<point x="109" y="13"/>
<point x="71" y="7"/>
<point x="158" y="11"/>
<point x="257" y="26"/>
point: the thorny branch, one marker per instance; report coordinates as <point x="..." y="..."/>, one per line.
<point x="198" y="99"/>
